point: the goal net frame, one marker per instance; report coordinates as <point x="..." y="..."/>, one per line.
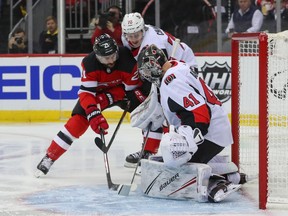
<point x="263" y="48"/>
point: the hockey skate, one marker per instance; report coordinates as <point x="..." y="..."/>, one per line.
<point x="132" y="159"/>
<point x="221" y="189"/>
<point x="44" y="166"/>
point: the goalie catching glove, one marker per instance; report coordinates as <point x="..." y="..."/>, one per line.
<point x="96" y="119"/>
<point x="178" y="146"/>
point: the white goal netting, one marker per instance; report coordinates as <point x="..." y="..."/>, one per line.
<point x="251" y="60"/>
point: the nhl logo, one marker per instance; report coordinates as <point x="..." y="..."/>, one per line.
<point x="218" y="77"/>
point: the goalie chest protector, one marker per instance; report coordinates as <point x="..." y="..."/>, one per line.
<point x="190" y="181"/>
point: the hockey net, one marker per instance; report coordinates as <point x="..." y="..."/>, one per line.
<point x="259" y="112"/>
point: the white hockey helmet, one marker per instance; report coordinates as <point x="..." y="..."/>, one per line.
<point x="133" y="22"/>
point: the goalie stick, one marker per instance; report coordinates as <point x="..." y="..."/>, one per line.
<point x="111" y="185"/>
<point x="124" y="190"/>
<point x="99" y="143"/>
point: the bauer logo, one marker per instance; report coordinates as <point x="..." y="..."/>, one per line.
<point x="168" y="182"/>
<point x="218" y="77"/>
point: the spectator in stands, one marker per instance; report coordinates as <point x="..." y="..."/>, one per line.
<point x="48" y="39"/>
<point x="283" y="13"/>
<point x="266" y="6"/>
<point x="109" y="23"/>
<point x="248" y="18"/>
<point x="17" y="43"/>
<point x="0" y="8"/>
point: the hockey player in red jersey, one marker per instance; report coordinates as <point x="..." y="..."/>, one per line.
<point x="201" y="128"/>
<point x="136" y="36"/>
<point x="108" y="73"/>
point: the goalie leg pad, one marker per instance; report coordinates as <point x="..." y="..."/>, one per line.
<point x="228" y="169"/>
<point x="220" y="159"/>
<point x="190" y="181"/>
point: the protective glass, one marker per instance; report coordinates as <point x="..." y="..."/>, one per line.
<point x="107" y="59"/>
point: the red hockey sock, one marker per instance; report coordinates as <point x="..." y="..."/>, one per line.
<point x="152" y="145"/>
<point x="55" y="151"/>
<point x="165" y="129"/>
<point x="75" y="127"/>
<point x="153" y="142"/>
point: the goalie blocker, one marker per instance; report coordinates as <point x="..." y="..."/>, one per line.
<point x="190" y="181"/>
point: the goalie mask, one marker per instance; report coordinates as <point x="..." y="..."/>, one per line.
<point x="106" y="50"/>
<point x="150" y="62"/>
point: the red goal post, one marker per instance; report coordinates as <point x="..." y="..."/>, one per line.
<point x="259" y="111"/>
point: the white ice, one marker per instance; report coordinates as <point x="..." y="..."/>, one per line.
<point x="76" y="183"/>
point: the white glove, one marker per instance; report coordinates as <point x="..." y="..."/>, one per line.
<point x="174" y="149"/>
<point x="179" y="145"/>
<point x="193" y="138"/>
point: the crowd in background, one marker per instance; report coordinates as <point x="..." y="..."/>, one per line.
<point x="190" y="25"/>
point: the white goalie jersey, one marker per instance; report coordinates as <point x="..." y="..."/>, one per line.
<point x="164" y="41"/>
<point x="182" y="90"/>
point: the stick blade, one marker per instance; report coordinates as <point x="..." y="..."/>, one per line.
<point x="100" y="144"/>
<point x="114" y="187"/>
<point x="124" y="190"/>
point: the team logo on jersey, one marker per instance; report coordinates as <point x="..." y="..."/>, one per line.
<point x="169" y="79"/>
<point x="218" y="77"/>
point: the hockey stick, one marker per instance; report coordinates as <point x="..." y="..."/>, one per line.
<point x="111" y="185"/>
<point x="100" y="143"/>
<point x="175" y="46"/>
<point x="124" y="190"/>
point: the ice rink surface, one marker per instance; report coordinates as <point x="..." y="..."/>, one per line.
<point x="76" y="183"/>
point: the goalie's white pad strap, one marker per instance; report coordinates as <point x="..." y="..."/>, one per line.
<point x="148" y="111"/>
<point x="223" y="168"/>
<point x="220" y="159"/>
<point x="221" y="165"/>
<point x="188" y="182"/>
